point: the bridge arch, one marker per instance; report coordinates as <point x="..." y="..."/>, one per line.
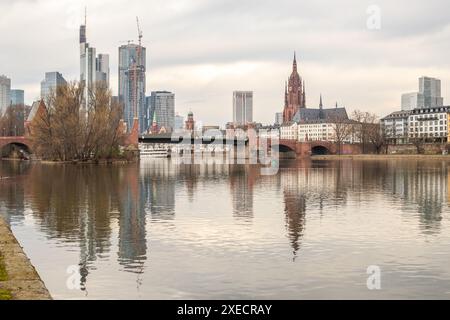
<point x="290" y="148"/>
<point x="15" y="146"/>
<point x="322" y="148"/>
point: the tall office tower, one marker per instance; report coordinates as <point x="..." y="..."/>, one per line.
<point x="102" y="69"/>
<point x="87" y="64"/>
<point x="132" y="85"/>
<point x="242" y="107"/>
<point x="17" y="97"/>
<point x="92" y="68"/>
<point x="431" y="90"/>
<point x="279" y="118"/>
<point x="162" y="108"/>
<point x="413" y="100"/>
<point x="5" y="94"/>
<point x="179" y="122"/>
<point x="50" y="83"/>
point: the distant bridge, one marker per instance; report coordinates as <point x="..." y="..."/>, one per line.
<point x="287" y="148"/>
<point x="169" y="139"/>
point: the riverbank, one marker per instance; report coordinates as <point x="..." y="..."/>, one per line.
<point x="18" y="278"/>
<point x="383" y="157"/>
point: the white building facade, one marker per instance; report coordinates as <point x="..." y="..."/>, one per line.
<point x="289" y="131"/>
<point x="395" y="127"/>
<point x="430" y="124"/>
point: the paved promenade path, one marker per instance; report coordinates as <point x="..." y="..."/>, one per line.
<point x="18" y="278"/>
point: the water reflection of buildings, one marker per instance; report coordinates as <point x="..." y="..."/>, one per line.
<point x="12" y="193"/>
<point x="423" y="188"/>
<point x="242" y="180"/>
<point x="132" y="221"/>
<point x="79" y="205"/>
<point x="157" y="182"/>
<point x="310" y="187"/>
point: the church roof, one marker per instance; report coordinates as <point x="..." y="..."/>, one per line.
<point x="34" y="110"/>
<point x="305" y="115"/>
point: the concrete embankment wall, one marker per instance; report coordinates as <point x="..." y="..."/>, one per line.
<point x="19" y="280"/>
<point x="411" y="149"/>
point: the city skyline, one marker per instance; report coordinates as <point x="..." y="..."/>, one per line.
<point x="366" y="73"/>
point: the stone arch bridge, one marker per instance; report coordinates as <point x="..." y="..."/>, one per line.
<point x="21" y="145"/>
<point x="293" y="148"/>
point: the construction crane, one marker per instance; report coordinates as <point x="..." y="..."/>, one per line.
<point x="137" y="68"/>
<point x="139" y="30"/>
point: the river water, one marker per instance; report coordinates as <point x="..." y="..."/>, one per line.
<point x="161" y="230"/>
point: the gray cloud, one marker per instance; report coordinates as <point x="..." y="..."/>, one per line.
<point x="194" y="48"/>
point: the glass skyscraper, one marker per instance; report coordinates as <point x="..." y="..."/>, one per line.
<point x="242" y="107"/>
<point x="93" y="68"/>
<point x="179" y="122"/>
<point x="5" y="94"/>
<point x="431" y="90"/>
<point x="50" y="83"/>
<point x="162" y="109"/>
<point x="17" y="97"/>
<point x="429" y="95"/>
<point x="132" y="85"/>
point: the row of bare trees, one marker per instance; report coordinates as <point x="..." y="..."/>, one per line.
<point x="362" y="127"/>
<point x="67" y="130"/>
<point x="369" y="131"/>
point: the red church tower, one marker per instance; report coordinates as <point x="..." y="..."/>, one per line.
<point x="294" y="94"/>
<point x="190" y="123"/>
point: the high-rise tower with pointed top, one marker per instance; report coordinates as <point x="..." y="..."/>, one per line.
<point x="294" y="94"/>
<point x="93" y="69"/>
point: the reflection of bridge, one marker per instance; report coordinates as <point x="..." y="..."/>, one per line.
<point x="11" y="144"/>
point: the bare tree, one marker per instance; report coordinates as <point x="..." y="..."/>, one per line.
<point x="67" y="130"/>
<point x="366" y="122"/>
<point x="376" y="137"/>
<point x="342" y="128"/>
<point x="418" y="142"/>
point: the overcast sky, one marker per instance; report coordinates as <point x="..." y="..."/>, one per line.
<point x="204" y="49"/>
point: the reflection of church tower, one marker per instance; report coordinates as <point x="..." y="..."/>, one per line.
<point x="295" y="209"/>
<point x="190" y="123"/>
<point x="294" y="94"/>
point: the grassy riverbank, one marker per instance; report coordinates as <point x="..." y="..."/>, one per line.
<point x="5" y="294"/>
<point x="18" y="278"/>
<point x="383" y="157"/>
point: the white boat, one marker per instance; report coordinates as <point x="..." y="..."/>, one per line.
<point x="153" y="151"/>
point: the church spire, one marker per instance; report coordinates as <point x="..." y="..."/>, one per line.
<point x="320" y="103"/>
<point x="294" y="64"/>
<point x="285" y="94"/>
